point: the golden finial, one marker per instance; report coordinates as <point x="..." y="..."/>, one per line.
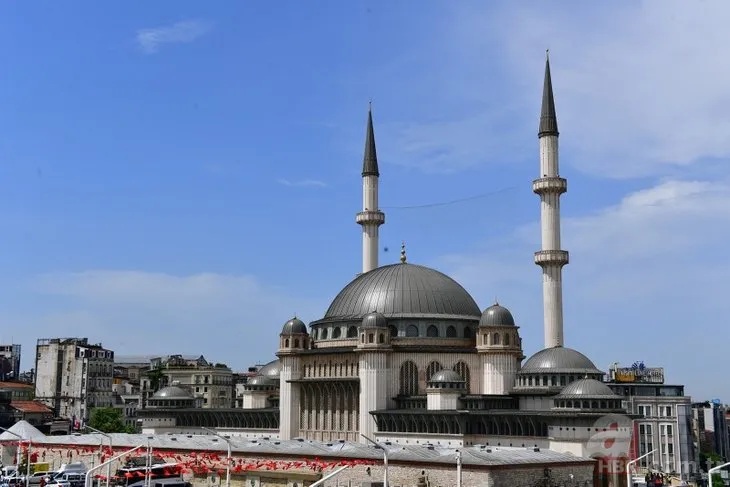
<point x="403" y="253"/>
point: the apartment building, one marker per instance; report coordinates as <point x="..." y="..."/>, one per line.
<point x="9" y="362"/>
<point x="710" y="428"/>
<point x="73" y="376"/>
<point x="211" y="383"/>
<point x="665" y="424"/>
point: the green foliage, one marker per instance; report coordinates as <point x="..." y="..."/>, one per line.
<point x="156" y="377"/>
<point x="717" y="480"/>
<point x="109" y="420"/>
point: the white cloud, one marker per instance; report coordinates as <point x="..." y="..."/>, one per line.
<point x="150" y="40"/>
<point x="639" y="86"/>
<point x="236" y="319"/>
<point x="647" y="281"/>
<point x="303" y="183"/>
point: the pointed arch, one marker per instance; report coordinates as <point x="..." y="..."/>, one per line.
<point x="432" y="368"/>
<point x="352" y="332"/>
<point x="451" y="332"/>
<point x="462" y="368"/>
<point x="408" y="378"/>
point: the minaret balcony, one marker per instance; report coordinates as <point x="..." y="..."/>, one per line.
<point x="370" y="216"/>
<point x="551" y="257"/>
<point x="550" y="185"/>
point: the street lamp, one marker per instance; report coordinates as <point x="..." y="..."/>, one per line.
<point x="458" y="468"/>
<point x="713" y="470"/>
<point x="628" y="466"/>
<point x="385" y="459"/>
<point x="108" y="437"/>
<point x="27" y="455"/>
<point x="87" y="479"/>
<point x="228" y="457"/>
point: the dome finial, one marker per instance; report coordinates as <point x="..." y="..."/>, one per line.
<point x="403" y="252"/>
<point x="496" y="301"/>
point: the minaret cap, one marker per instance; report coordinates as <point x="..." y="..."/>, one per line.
<point x="370" y="159"/>
<point x="548" y="119"/>
<point x="403" y="253"/>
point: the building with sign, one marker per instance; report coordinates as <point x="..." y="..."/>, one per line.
<point x="665" y="418"/>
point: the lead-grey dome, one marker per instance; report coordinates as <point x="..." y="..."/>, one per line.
<point x="294" y="325"/>
<point x="589" y="388"/>
<point x="496" y="315"/>
<point x="374" y="320"/>
<point x="446" y="375"/>
<point x="270" y="370"/>
<point x="262" y="380"/>
<point x="559" y="360"/>
<point x="172" y="392"/>
<point x="403" y="290"/>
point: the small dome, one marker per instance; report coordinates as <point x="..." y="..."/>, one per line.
<point x="172" y="392"/>
<point x="587" y="388"/>
<point x="559" y="360"/>
<point x="294" y="326"/>
<point x="496" y="315"/>
<point x="446" y="375"/>
<point x="270" y="370"/>
<point x="374" y="320"/>
<point x="262" y="380"/>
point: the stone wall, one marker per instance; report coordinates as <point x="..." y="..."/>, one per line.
<point x="400" y="475"/>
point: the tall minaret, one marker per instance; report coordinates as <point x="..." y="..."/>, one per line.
<point x="370" y="217"/>
<point x="549" y="187"/>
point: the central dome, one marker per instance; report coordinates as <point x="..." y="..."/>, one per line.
<point x="403" y="290"/>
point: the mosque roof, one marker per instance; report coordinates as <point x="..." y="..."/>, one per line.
<point x="559" y="360"/>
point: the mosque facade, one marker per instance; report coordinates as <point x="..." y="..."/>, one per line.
<point x="404" y="355"/>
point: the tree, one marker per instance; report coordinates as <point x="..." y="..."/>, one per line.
<point x="156" y="377"/>
<point x="109" y="420"/>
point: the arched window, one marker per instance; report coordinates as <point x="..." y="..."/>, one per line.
<point x="432" y="368"/>
<point x="468" y="332"/>
<point x="408" y="379"/>
<point x="506" y="338"/>
<point x="323" y="333"/>
<point x="412" y="331"/>
<point x="352" y="332"/>
<point x="381" y="338"/>
<point x="462" y="369"/>
<point x="337" y="332"/>
<point x="450" y="332"/>
<point x="486" y="338"/>
<point x="432" y="331"/>
<point x="371" y="338"/>
<point x="296" y="343"/>
<point x="393" y="331"/>
<point x="286" y="343"/>
<point x="495" y="339"/>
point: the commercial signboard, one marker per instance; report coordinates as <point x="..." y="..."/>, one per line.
<point x="638" y="373"/>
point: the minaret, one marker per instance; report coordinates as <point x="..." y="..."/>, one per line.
<point x="370" y="217"/>
<point x="549" y="187"/>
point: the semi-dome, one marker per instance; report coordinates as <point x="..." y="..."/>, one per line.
<point x="496" y="315"/>
<point x="559" y="360"/>
<point x="294" y="325"/>
<point x="270" y="370"/>
<point x="374" y="320"/>
<point x="172" y="392"/>
<point x="590" y="388"/>
<point x="446" y="375"/>
<point x="403" y="290"/>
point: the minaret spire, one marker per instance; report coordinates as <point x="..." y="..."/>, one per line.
<point x="370" y="218"/>
<point x="550" y="186"/>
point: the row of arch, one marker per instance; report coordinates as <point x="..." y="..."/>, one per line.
<point x="409" y="377"/>
<point x="211" y="418"/>
<point x="558" y="380"/>
<point x="448" y="424"/>
<point x="411" y="331"/>
<point x="329" y="406"/>
<point x="330" y="369"/>
<point x="588" y="404"/>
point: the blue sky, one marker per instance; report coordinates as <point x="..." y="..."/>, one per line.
<point x="182" y="178"/>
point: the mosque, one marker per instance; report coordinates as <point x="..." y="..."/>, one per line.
<point x="404" y="355"/>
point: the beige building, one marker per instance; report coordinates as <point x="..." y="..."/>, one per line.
<point x="211" y="383"/>
<point x="73" y="376"/>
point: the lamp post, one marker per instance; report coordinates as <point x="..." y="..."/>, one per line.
<point x="27" y="455"/>
<point x="228" y="457"/>
<point x="713" y="470"/>
<point x="87" y="479"/>
<point x="458" y="468"/>
<point x="385" y="459"/>
<point x="629" y="464"/>
<point x="329" y="476"/>
<point x="108" y="437"/>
